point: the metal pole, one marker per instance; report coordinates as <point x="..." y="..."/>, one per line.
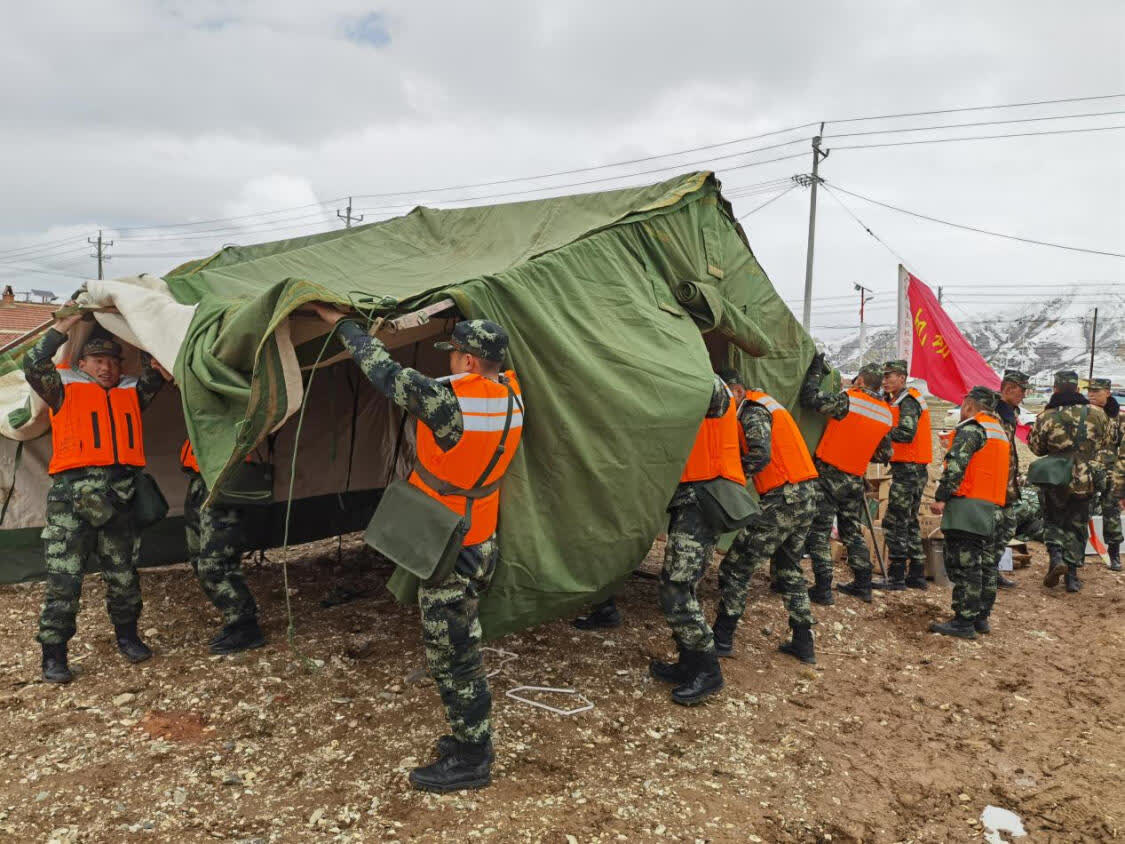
<point x="347" y="217"/>
<point x="863" y="300"/>
<point x="1093" y="344"/>
<point x="806" y="318"/>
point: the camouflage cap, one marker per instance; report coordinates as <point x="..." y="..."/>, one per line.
<point x="899" y="366"/>
<point x="101" y="346"/>
<point x="1066" y="376"/>
<point x="872" y="370"/>
<point x="730" y="376"/>
<point x="1014" y="376"/>
<point x="480" y="337"/>
<point x="1101" y="384"/>
<point x="986" y="398"/>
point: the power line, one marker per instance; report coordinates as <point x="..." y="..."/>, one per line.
<point x="980" y="231"/>
<point x="981" y="137"/>
<point x="767" y="202"/>
<point x="971" y="125"/>
<point x="979" y="108"/>
<point x="864" y="226"/>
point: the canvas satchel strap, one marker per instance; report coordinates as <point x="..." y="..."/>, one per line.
<point x="478" y="489"/>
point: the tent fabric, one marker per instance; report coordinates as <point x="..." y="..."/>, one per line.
<point x="615" y="370"/>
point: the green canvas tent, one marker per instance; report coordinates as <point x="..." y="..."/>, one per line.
<point x="619" y="305"/>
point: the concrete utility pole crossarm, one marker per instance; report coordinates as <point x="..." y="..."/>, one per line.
<point x="817" y="155"/>
<point x="348" y="217"/>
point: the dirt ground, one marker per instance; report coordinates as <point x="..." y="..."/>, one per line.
<point x="895" y="735"/>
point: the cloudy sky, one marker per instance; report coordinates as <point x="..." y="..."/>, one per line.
<point x="129" y="115"/>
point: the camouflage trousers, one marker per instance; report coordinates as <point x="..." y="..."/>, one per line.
<point x="839" y="496"/>
<point x="71" y="545"/>
<point x="964" y="553"/>
<point x="1002" y="534"/>
<point x="1067" y="524"/>
<point x="904" y="535"/>
<point x="1111" y="517"/>
<point x="687" y="554"/>
<point x="215" y="542"/>
<point x="451" y="635"/>
<point x="778" y="533"/>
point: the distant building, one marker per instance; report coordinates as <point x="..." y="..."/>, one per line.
<point x="19" y="318"/>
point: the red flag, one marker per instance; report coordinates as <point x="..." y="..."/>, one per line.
<point x="941" y="355"/>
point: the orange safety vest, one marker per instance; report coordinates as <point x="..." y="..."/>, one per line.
<point x="986" y="477"/>
<point x="187" y="457"/>
<point x="921" y="448"/>
<point x="717" y="452"/>
<point x="790" y="461"/>
<point x="96" y="426"/>
<point x="484" y="409"/>
<point x="849" y="443"/>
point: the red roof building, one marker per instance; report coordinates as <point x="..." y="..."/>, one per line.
<point x="19" y="318"/>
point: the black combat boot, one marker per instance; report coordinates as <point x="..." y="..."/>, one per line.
<point x="55" y="669"/>
<point x="724" y="628"/>
<point x="1113" y="549"/>
<point x="860" y="587"/>
<point x="130" y="644"/>
<point x="1004" y="583"/>
<point x="981" y="624"/>
<point x="671" y="672"/>
<point x="821" y="591"/>
<point x="800" y="643"/>
<point x="896" y="577"/>
<point x="601" y="616"/>
<point x="465" y="766"/>
<point x="956" y="626"/>
<point x="1056" y="568"/>
<point x="447" y="744"/>
<point x="242" y="635"/>
<point x="705" y="679"/>
<point x="916" y="575"/>
<point x="1073" y="584"/>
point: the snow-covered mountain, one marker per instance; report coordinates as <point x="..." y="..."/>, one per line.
<point x="1038" y="338"/>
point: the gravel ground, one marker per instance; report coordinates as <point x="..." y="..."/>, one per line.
<point x="895" y="735"/>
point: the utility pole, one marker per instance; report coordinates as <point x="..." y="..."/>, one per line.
<point x="101" y="245"/>
<point x="1093" y="345"/>
<point x="347" y="215"/>
<point x="864" y="298"/>
<point x="814" y="180"/>
<point x="939" y="289"/>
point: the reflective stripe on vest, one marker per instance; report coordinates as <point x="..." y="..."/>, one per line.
<point x="986" y="476"/>
<point x="790" y="461"/>
<point x="717" y="452"/>
<point x="849" y="443"/>
<point x="921" y="448"/>
<point x="187" y="457"/>
<point x="484" y="408"/>
<point x="96" y="426"/>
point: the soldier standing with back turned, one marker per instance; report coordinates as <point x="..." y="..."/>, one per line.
<point x="912" y="449"/>
<point x="858" y="423"/>
<point x="1071" y="427"/>
<point x="1100" y="396"/>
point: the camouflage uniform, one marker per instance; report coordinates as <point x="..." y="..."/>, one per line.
<point x="451" y="631"/>
<point x="215" y="542"/>
<point x="1027" y="515"/>
<point x="1108" y="503"/>
<point x="777" y="533"/>
<point x="89" y="517"/>
<point x="974" y="585"/>
<point x="839" y="495"/>
<point x="1118" y="480"/>
<point x="1066" y="509"/>
<point x="1006" y="517"/>
<point x="908" y="482"/>
<point x="687" y="554"/>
